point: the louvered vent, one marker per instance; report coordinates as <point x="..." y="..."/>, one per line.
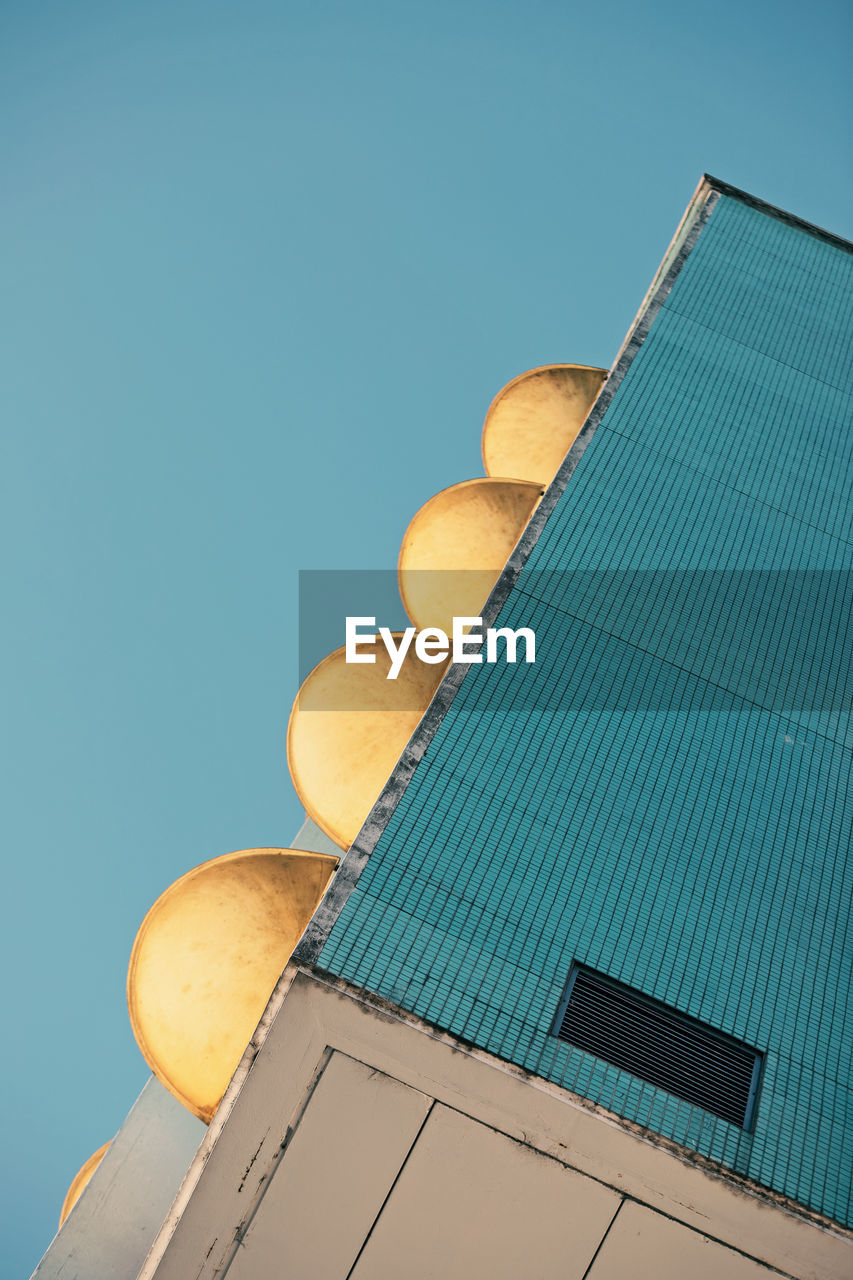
<point x="659" y="1045"/>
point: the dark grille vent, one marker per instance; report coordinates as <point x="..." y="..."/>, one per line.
<point x="659" y="1045"/>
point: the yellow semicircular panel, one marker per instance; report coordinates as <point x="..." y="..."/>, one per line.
<point x="206" y="959"/>
<point x="80" y="1181"/>
<point x="347" y="730"/>
<point x="456" y="546"/>
<point x="535" y="419"/>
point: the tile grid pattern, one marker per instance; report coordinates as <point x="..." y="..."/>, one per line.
<point x="647" y="799"/>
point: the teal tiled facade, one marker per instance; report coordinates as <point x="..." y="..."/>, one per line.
<point x="666" y="796"/>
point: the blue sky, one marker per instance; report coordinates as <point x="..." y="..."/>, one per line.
<point x="264" y="268"/>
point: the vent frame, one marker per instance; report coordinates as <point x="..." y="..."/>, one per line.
<point x="656" y="1010"/>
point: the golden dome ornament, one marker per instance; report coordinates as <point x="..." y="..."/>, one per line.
<point x="80" y="1181"/>
<point x="206" y="959"/>
<point x="535" y="419"/>
<point x="456" y="546"/>
<point x="347" y="729"/>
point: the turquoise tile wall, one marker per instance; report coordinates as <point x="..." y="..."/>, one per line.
<point x="666" y="795"/>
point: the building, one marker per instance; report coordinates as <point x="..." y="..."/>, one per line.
<point x="575" y="1003"/>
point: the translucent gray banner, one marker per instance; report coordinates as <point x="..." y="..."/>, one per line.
<point x="620" y="640"/>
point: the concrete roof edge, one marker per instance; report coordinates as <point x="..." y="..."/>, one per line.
<point x="393" y="1012"/>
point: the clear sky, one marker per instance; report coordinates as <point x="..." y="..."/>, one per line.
<point x="264" y="266"/>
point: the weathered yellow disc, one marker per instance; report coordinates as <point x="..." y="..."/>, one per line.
<point x="206" y="959"/>
<point x="535" y="419"/>
<point x="456" y="546"/>
<point x="347" y="729"/>
<point x="80" y="1181"/>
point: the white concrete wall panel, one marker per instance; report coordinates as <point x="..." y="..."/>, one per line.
<point x="472" y="1202"/>
<point x="321" y="1202"/>
<point x="643" y="1243"/>
<point x="111" y="1227"/>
